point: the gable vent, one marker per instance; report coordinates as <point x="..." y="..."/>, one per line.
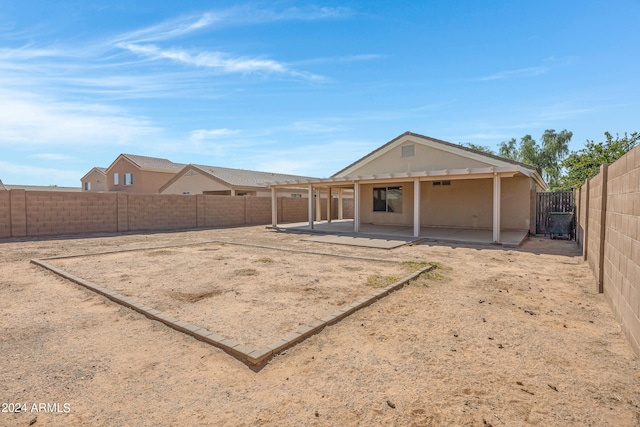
<point x="408" y="150"/>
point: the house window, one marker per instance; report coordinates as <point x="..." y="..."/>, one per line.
<point x="87" y="186"/>
<point x="296" y="196"/>
<point x="435" y="183"/>
<point x="115" y="178"/>
<point x="408" y="151"/>
<point x="387" y="199"/>
<point x="185" y="192"/>
<point x="128" y="179"/>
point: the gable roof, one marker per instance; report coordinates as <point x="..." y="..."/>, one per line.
<point x="436" y="143"/>
<point x="146" y="163"/>
<point x="102" y="171"/>
<point x="235" y="177"/>
<point x="2" y="186"/>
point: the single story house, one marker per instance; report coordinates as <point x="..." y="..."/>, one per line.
<point x="201" y="179"/>
<point x="418" y="181"/>
<point x="95" y="180"/>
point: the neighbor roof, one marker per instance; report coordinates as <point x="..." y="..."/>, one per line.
<point x="103" y="171"/>
<point x="447" y="145"/>
<point x="2" y="185"/>
<point x="42" y="188"/>
<point x="236" y="177"/>
<point x="156" y="164"/>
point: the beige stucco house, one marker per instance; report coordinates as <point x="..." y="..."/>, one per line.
<point x="201" y="179"/>
<point x="140" y="174"/>
<point x="95" y="180"/>
<point x="419" y="181"/>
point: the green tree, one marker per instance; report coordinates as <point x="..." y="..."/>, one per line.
<point x="547" y="158"/>
<point x="555" y="147"/>
<point x="585" y="163"/>
<point x="509" y="149"/>
<point x="482" y="148"/>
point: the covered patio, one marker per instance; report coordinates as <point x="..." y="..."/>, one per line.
<point x="423" y="188"/>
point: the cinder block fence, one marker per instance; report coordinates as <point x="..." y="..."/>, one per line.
<point x="44" y="213"/>
<point x="608" y="228"/>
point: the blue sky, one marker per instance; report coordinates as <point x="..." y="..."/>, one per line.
<point x="302" y="87"/>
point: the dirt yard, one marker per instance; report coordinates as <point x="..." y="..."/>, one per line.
<point x="254" y="295"/>
<point x="494" y="336"/>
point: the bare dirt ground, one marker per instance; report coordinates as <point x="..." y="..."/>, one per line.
<point x="497" y="337"/>
<point x="253" y="295"/>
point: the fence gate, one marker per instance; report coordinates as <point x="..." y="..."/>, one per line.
<point x="559" y="201"/>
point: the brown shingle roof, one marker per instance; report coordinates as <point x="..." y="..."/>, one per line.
<point x="155" y="163"/>
<point x="244" y="177"/>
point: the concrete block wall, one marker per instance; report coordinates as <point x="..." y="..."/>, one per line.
<point x="293" y="210"/>
<point x="18" y="210"/>
<point x="296" y="210"/>
<point x="45" y="213"/>
<point x="50" y="213"/>
<point x="224" y="211"/>
<point x="161" y="212"/>
<point x="257" y="210"/>
<point x="5" y="214"/>
<point x="613" y="250"/>
<point x="594" y="224"/>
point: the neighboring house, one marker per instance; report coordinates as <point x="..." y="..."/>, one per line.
<point x="95" y="180"/>
<point x="418" y="181"/>
<point x="140" y="174"/>
<point x="201" y="179"/>
<point x="2" y="186"/>
<point x="43" y="188"/>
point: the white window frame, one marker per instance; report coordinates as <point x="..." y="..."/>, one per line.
<point x="128" y="178"/>
<point x="116" y="178"/>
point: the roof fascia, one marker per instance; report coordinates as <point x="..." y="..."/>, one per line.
<point x="122" y="157"/>
<point x="95" y="169"/>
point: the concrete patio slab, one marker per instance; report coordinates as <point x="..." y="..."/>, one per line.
<point x="368" y="241"/>
<point x="391" y="236"/>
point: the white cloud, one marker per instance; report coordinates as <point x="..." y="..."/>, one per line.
<point x="523" y="72"/>
<point x="52" y="156"/>
<point x="28" y="173"/>
<point x="235" y="16"/>
<point x="204" y="134"/>
<point x="217" y="60"/>
<point x="33" y="120"/>
<point x="172" y="28"/>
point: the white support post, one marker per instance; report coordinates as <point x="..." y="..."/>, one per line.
<point x="310" y="211"/>
<point x="329" y="204"/>
<point x="356" y="207"/>
<point x="274" y="207"/>
<point x="496" y="207"/>
<point x="340" y="211"/>
<point x="416" y="207"/>
<point x="318" y="205"/>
